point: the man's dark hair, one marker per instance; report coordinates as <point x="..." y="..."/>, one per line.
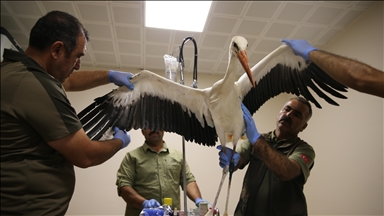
<point x="57" y="26"/>
<point x="306" y="102"/>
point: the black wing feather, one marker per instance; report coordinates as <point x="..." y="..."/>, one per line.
<point x="283" y="79"/>
<point x="318" y="74"/>
<point x="148" y="112"/>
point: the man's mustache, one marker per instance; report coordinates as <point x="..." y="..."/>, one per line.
<point x="154" y="132"/>
<point x="286" y="119"/>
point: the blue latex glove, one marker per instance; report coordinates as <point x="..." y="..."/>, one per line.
<point x="152" y="203"/>
<point x="300" y="47"/>
<point x="120" y="78"/>
<point x="122" y="135"/>
<point x="250" y="127"/>
<point x="225" y="158"/>
<point x="198" y="201"/>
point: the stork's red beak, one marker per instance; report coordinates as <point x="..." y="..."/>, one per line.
<point x="243" y="58"/>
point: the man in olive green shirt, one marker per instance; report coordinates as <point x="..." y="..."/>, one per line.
<point x="153" y="172"/>
<point x="42" y="138"/>
<point x="279" y="163"/>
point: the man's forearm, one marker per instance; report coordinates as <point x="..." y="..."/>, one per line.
<point x="132" y="197"/>
<point x="193" y="191"/>
<point x="283" y="167"/>
<point x="83" y="80"/>
<point x="351" y="73"/>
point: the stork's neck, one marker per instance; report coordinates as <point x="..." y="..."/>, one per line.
<point x="230" y="76"/>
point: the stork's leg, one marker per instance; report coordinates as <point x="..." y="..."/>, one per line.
<point x="229" y="188"/>
<point x="224" y="174"/>
<point x="210" y="212"/>
<point x="231" y="169"/>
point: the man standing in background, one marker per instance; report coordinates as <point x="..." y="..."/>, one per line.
<point x="153" y="172"/>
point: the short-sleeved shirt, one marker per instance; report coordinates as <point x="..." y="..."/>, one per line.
<point x="271" y="188"/>
<point x="35" y="178"/>
<point x="305" y="163"/>
<point x="153" y="175"/>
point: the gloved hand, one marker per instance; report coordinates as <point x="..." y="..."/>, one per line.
<point x="300" y="47"/>
<point x="152" y="203"/>
<point x="123" y="136"/>
<point x="120" y="78"/>
<point x="198" y="201"/>
<point x="250" y="127"/>
<point x="225" y="158"/>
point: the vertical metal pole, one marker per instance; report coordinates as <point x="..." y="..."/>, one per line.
<point x="194" y="85"/>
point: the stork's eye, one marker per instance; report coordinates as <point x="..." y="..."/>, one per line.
<point x="235" y="45"/>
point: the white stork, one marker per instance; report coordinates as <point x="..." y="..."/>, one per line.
<point x="202" y="115"/>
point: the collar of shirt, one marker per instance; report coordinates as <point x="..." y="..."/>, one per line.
<point x="15" y="56"/>
<point x="281" y="143"/>
<point x="148" y="148"/>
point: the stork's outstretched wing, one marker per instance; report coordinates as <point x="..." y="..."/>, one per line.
<point x="156" y="103"/>
<point x="283" y="71"/>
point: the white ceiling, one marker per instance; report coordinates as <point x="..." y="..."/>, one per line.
<point x="119" y="38"/>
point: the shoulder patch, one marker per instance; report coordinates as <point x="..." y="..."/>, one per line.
<point x="305" y="158"/>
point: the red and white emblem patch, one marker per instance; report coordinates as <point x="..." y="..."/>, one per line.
<point x="304" y="158"/>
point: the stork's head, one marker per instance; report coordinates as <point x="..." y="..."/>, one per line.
<point x="238" y="48"/>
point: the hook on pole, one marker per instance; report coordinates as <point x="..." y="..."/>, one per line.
<point x="181" y="62"/>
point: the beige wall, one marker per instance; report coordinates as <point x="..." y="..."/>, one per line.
<point x="347" y="178"/>
<point x="348" y="175"/>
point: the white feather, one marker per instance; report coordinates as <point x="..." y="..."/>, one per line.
<point x="281" y="55"/>
<point x="148" y="83"/>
